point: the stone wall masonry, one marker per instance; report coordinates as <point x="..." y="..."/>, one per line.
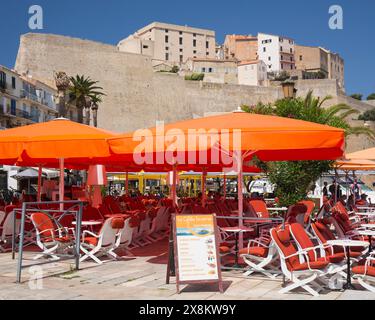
<point x="137" y="96"/>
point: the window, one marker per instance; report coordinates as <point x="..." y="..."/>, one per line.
<point x="207" y="53"/>
<point x="194" y="34"/>
<point x="181" y="49"/>
<point x="166" y="30"/>
<point x="166" y="39"/>
<point x="282" y="66"/>
<point x="269" y="58"/>
<point x="291" y="50"/>
<point x="166" y="48"/>
<point x="291" y="59"/>
<point x="203" y="69"/>
<point x="145" y="47"/>
<point x="13" y="82"/>
<point x="181" y="58"/>
<point x="3" y="79"/>
<point x="282" y="58"/>
<point x="281" y="49"/>
<point x="194" y="51"/>
<point x="209" y="69"/>
<point x="180" y="40"/>
<point x="194" y="42"/>
<point x="166" y="56"/>
<point x="264" y="49"/>
<point x="13" y="105"/>
<point x="207" y="44"/>
<point x="291" y="67"/>
<point x="180" y="32"/>
<point x="300" y="58"/>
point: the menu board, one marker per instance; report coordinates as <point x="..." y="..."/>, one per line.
<point x="196" y="251"/>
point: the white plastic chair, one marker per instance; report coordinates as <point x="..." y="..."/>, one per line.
<point x="94" y="245"/>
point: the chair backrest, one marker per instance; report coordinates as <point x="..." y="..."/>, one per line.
<point x="283" y="241"/>
<point x="302" y="239"/>
<point x="322" y="231"/>
<point x="44" y="225"/>
<point x="260" y="208"/>
<point x="310" y="205"/>
<point x="126" y="233"/>
<point x="91" y="213"/>
<point x="296" y="213"/>
<point x="109" y="231"/>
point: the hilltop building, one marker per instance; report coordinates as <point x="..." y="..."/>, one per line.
<point x="170" y="43"/>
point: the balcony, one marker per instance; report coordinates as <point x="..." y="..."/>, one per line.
<point x="33" y="97"/>
<point x="27" y="115"/>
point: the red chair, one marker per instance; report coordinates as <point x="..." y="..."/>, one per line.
<point x="300" y="274"/>
<point x="50" y="237"/>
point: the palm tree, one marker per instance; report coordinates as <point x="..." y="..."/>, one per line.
<point x="62" y="84"/>
<point x="95" y="100"/>
<point x="81" y="89"/>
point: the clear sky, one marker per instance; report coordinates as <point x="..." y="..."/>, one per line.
<point x="111" y="20"/>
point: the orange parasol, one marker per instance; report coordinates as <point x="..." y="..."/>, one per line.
<point x="242" y="135"/>
<point x="367" y="154"/>
<point x="53" y="144"/>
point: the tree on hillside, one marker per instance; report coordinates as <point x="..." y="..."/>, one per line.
<point x="357" y="96"/>
<point x="82" y="90"/>
<point x="371" y="96"/>
<point x="293" y="179"/>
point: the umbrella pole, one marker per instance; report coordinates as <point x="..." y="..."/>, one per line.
<point x="336" y="187"/>
<point x="61" y="186"/>
<point x="225" y="186"/>
<point x="174" y="182"/>
<point x="240" y="198"/>
<point x="127" y="183"/>
<point x="39" y="184"/>
<point x="204" y="176"/>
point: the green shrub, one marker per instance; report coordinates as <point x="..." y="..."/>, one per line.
<point x="369" y="115"/>
<point x="357" y="96"/>
<point x="371" y="96"/>
<point x="195" y="77"/>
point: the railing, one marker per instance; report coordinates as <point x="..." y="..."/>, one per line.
<point x="27" y="95"/>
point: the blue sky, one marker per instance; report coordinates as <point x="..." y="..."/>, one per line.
<point x="111" y="20"/>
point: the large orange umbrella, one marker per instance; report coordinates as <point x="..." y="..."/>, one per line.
<point x="367" y="154"/>
<point x="242" y="135"/>
<point x="354" y="165"/>
<point x="53" y="144"/>
<point x="270" y="138"/>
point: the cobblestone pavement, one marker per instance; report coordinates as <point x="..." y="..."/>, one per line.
<point x="139" y="277"/>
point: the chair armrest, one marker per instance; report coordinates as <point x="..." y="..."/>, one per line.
<point x="90" y="233"/>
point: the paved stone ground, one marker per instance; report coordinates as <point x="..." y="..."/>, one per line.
<point x="141" y="277"/>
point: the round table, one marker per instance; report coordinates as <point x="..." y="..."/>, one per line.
<point x="236" y="231"/>
<point x="347" y="243"/>
<point x="368" y="225"/>
<point x="370" y="234"/>
<point x="89" y="224"/>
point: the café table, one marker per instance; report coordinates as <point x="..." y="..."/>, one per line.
<point x="89" y="224"/>
<point x="237" y="230"/>
<point x="347" y="243"/>
<point x="370" y="234"/>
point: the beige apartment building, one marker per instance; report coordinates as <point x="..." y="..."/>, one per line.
<point x="313" y="60"/>
<point x="252" y="73"/>
<point x="170" y="43"/>
<point x="214" y="70"/>
<point x="241" y="47"/>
